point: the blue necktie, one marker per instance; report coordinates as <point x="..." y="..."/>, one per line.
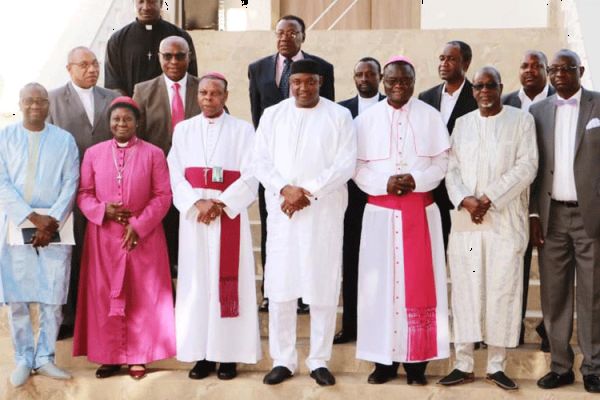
<point x="284" y="83"/>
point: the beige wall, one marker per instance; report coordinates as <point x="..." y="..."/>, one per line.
<point x="231" y="52"/>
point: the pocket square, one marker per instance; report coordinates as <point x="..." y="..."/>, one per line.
<point x="593" y="123"/>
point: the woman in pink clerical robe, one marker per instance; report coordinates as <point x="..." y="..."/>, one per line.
<point x="125" y="313"/>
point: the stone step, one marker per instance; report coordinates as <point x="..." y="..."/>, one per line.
<point x="525" y="362"/>
<point x="171" y="385"/>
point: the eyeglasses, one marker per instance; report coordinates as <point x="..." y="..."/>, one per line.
<point x="555" y="69"/>
<point x="178" y="56"/>
<point x="488" y="86"/>
<point x="29" y="101"/>
<point x="290" y="34"/>
<point x="86" y="65"/>
<point x="391" y="82"/>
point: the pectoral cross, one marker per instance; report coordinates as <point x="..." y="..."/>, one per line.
<point x="149" y="55"/>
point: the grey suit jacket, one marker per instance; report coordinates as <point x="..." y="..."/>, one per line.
<point x="586" y="165"/>
<point x="153" y="99"/>
<point x="67" y="112"/>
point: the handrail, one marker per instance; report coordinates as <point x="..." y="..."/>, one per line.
<point x="325" y="11"/>
<point x="342" y="15"/>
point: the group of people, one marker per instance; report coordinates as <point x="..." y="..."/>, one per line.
<point x="374" y="191"/>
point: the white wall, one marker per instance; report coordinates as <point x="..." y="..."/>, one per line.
<point x="484" y="14"/>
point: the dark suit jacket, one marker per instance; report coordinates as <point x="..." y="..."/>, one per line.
<point x="586" y="165"/>
<point x="465" y="103"/>
<point x="264" y="91"/>
<point x="512" y="99"/>
<point x="67" y="112"/>
<point x="153" y="98"/>
<point x="352" y="104"/>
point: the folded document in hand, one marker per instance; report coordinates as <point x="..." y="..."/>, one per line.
<point x="19" y="235"/>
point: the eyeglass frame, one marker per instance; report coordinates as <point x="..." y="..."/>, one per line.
<point x="179" y="56"/>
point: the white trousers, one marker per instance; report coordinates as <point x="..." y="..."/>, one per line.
<point x="496" y="358"/>
<point x="282" y="334"/>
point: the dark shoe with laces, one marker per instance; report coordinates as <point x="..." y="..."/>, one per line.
<point x="227" y="371"/>
<point x="501" y="380"/>
<point x="591" y="383"/>
<point x="202" y="369"/>
<point x="264" y="306"/>
<point x="382" y="374"/>
<point x="344" y="337"/>
<point x="553" y="380"/>
<point x="323" y="377"/>
<point x="277" y="375"/>
<point x="457" y="377"/>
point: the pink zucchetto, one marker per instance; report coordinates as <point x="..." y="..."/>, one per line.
<point x="214" y="75"/>
<point x="399" y="58"/>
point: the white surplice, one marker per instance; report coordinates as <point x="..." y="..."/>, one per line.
<point x="418" y="145"/>
<point x="224" y="142"/>
<point x="314" y="148"/>
<point x="496" y="156"/>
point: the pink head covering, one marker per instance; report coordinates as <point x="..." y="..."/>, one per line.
<point x="125" y="100"/>
<point x="214" y="75"/>
<point x="399" y="58"/>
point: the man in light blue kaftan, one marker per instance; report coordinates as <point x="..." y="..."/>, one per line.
<point x="39" y="172"/>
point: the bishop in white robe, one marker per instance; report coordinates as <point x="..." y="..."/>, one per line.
<point x="306" y="143"/>
<point x="402" y="295"/>
<point x="216" y="316"/>
<point x="493" y="161"/>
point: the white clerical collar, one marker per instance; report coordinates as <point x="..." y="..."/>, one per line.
<point x="576" y="96"/>
<point x="216" y="120"/>
<point x="81" y="90"/>
<point x="456" y="92"/>
<point x="404" y="108"/>
<point x="182" y="82"/>
<point x="540" y="96"/>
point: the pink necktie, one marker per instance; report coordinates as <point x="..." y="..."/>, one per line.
<point x="177" y="113"/>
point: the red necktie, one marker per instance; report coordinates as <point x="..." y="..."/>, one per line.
<point x="177" y="113"/>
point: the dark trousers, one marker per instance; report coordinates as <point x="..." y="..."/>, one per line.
<point x="171" y="227"/>
<point x="351" y="246"/>
<point x="69" y="309"/>
<point x="440" y="195"/>
<point x="415" y="369"/>
<point x="262" y="209"/>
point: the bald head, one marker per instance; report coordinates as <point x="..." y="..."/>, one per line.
<point x="174" y="57"/>
<point x="489" y="70"/>
<point x="565" y="72"/>
<point x="33" y="102"/>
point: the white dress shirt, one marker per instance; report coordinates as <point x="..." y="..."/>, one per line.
<point x="563" y="183"/>
<point x="366" y="102"/>
<point x="448" y="102"/>
<point x="87" y="99"/>
<point x="279" y="67"/>
<point x="171" y="91"/>
<point x="526" y="102"/>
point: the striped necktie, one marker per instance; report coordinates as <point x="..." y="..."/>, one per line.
<point x="284" y="83"/>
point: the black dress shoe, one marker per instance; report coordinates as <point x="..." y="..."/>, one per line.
<point x="344" y="337"/>
<point x="457" y="377"/>
<point x="227" y="371"/>
<point x="202" y="369"/>
<point x="277" y="375"/>
<point x="264" y="306"/>
<point x="323" y="377"/>
<point x="552" y="380"/>
<point x="541" y="331"/>
<point x="65" y="332"/>
<point x="591" y="383"/>
<point x="303" y="308"/>
<point x="501" y="380"/>
<point x="107" y="370"/>
<point x="383" y="373"/>
<point x="416" y="379"/>
<point x="415" y="373"/>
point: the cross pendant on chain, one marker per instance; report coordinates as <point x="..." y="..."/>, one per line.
<point x="149" y="55"/>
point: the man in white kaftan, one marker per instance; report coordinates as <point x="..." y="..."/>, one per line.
<point x="305" y="152"/>
<point x="493" y="160"/>
<point x="212" y="186"/>
<point x="39" y="171"/>
<point x="402" y="156"/>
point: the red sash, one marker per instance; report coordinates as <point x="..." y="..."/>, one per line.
<point x="229" y="254"/>
<point x="419" y="281"/>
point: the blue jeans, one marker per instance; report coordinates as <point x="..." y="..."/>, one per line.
<point x="26" y="351"/>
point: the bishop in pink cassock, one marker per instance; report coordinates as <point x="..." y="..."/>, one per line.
<point x="125" y="311"/>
